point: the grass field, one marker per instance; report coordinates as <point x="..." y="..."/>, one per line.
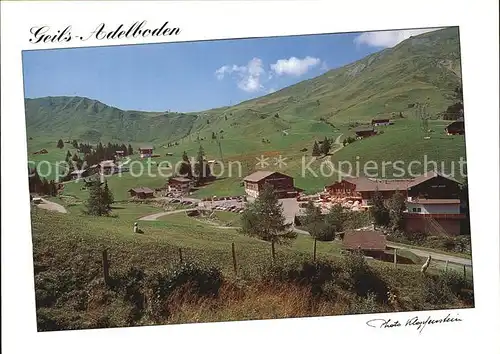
<point x="68" y="272"/>
<point x="401" y="142"/>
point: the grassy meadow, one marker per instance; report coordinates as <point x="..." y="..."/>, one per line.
<point x="70" y="292"/>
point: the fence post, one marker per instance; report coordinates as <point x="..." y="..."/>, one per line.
<point x="105" y="266"/>
<point x="314" y="250"/>
<point x="465" y="272"/>
<point x="235" y="265"/>
<point x="395" y="258"/>
<point x="446" y="267"/>
<point x="180" y="254"/>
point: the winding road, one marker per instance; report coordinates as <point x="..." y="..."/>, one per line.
<point x="154" y="217"/>
<point x="419" y="252"/>
<point x="435" y="255"/>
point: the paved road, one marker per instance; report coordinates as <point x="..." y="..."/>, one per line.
<point x="421" y="253"/>
<point x="154" y="217"/>
<point x="435" y="255"/>
<point x="48" y="205"/>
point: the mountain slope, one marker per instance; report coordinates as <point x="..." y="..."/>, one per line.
<point x="86" y="119"/>
<point x="425" y="67"/>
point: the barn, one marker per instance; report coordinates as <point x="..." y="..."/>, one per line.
<point x="365" y="132"/>
<point x="141" y="192"/>
<point x="281" y="183"/>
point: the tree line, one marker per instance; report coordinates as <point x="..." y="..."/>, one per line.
<point x="200" y="171"/>
<point x="39" y="185"/>
<point x="95" y="155"/>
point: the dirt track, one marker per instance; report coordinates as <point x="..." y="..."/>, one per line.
<point x="48" y="205"/>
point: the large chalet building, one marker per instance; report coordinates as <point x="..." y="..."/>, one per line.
<point x="433" y="200"/>
<point x="430" y="185"/>
<point x="281" y="183"/>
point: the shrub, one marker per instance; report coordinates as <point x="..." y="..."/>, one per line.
<point x="131" y="286"/>
<point x="435" y="291"/>
<point x="305" y="273"/>
<point x="364" y="305"/>
<point x="202" y="281"/>
<point x="361" y="279"/>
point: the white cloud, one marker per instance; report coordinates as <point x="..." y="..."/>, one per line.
<point x="271" y="90"/>
<point x="324" y="66"/>
<point x="294" y="66"/>
<point x="388" y="39"/>
<point x="249" y="77"/>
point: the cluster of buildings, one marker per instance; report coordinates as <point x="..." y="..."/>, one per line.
<point x="454" y="128"/>
<point x="432" y="199"/>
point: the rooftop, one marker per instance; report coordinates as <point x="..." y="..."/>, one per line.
<point x="145" y="190"/>
<point x="369" y="240"/>
<point x="364" y="129"/>
<point x="260" y="175"/>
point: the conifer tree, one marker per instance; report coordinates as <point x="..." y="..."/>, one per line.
<point x="264" y="219"/>
<point x="315" y="150"/>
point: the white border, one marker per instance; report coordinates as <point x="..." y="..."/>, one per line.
<point x="478" y="23"/>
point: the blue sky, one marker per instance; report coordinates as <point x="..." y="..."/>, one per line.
<point x="189" y="77"/>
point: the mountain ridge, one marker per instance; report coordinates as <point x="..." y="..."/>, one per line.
<point x="383" y="83"/>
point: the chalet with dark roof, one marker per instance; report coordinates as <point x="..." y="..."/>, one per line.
<point x="282" y="184"/>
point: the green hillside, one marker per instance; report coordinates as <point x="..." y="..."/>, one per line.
<point x="388" y="82"/>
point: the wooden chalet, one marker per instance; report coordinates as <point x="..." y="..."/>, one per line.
<point x="141" y="192"/>
<point x="281" y="183"/>
<point x="179" y="184"/>
<point x="76" y="174"/>
<point x="146" y="151"/>
<point x="381" y="122"/>
<point x="365" y="132"/>
<point x="430" y="185"/>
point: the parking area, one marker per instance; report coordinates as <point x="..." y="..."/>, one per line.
<point x="232" y="204"/>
